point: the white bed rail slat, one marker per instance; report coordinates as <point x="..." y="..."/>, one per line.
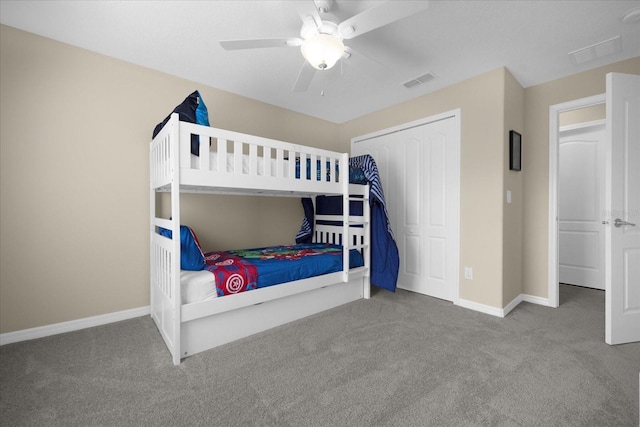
<point x="204" y="160"/>
<point x="237" y="157"/>
<point x="279" y="163"/>
<point x="266" y="154"/>
<point x="253" y="160"/>
<point x="184" y="149"/>
<point x="222" y="155"/>
<point x="291" y="166"/>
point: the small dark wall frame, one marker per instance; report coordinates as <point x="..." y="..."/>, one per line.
<point x="515" y="151"/>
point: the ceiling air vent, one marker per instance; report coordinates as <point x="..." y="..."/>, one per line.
<point x="419" y="80"/>
<point x="596" y="51"/>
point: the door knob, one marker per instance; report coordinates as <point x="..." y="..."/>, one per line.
<point x="619" y="223"/>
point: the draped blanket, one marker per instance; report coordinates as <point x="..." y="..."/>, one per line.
<point x="385" y="261"/>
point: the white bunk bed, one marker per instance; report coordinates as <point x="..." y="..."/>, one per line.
<point x="246" y="164"/>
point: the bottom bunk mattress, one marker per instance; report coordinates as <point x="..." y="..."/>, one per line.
<point x="235" y="271"/>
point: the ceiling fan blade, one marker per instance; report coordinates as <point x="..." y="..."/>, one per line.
<point x="379" y="16"/>
<point x="260" y="43"/>
<point x="363" y="61"/>
<point x="308" y="10"/>
<point x="304" y="78"/>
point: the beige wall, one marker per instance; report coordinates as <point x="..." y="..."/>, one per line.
<point x="482" y="101"/>
<point x="535" y="162"/>
<point x="74" y="201"/>
<point x="582" y="115"/>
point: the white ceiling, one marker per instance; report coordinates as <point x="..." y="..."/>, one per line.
<point x="454" y="40"/>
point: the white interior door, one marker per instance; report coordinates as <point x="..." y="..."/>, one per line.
<point x="580" y="204"/>
<point x="419" y="168"/>
<point x="622" y="210"/>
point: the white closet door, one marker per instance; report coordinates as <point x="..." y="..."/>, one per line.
<point x="419" y="170"/>
<point x="580" y="206"/>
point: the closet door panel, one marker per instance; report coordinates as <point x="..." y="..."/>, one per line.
<point x="437" y="179"/>
<point x="412" y="260"/>
<point x="435" y="141"/>
<point x="436" y="263"/>
<point x="410" y="164"/>
<point x="411" y="189"/>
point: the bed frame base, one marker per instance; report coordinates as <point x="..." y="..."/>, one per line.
<point x="209" y="332"/>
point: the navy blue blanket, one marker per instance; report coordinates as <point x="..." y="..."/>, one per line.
<point x="385" y="261"/>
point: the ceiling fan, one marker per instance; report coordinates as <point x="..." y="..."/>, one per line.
<point x="321" y="38"/>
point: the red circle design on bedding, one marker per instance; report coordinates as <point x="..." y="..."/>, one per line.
<point x="212" y="256"/>
<point x="235" y="283"/>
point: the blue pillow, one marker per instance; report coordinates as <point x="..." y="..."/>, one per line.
<point x="202" y="114"/>
<point x="356" y="176"/>
<point x="192" y="110"/>
<point x="191" y="256"/>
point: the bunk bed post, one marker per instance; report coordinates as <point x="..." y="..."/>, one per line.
<point x="346" y="239"/>
<point x="152" y="230"/>
<point x="175" y="241"/>
<point x="366" y="213"/>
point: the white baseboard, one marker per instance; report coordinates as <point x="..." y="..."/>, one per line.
<point x="486" y="309"/>
<point x="88" y="322"/>
<point x="73" y="325"/>
<point x="502" y="312"/>
<point x="536" y="300"/>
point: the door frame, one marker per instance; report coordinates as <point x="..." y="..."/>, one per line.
<point x="456" y="115"/>
<point x="553" y="289"/>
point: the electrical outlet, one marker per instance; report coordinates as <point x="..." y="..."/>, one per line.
<point x="468" y="273"/>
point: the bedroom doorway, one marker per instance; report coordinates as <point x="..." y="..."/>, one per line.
<point x="555" y="112"/>
<point x="419" y="163"/>
<point x="581" y="166"/>
<point x="621" y="209"/>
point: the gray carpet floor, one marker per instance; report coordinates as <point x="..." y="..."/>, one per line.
<point x="398" y="359"/>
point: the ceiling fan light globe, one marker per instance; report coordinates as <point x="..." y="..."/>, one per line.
<point x="322" y="51"/>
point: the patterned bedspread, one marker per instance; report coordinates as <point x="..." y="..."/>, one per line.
<point x="246" y="269"/>
<point x="233" y="274"/>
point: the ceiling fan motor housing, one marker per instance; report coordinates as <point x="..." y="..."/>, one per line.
<point x="309" y="29"/>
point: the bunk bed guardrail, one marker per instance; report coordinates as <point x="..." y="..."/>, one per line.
<point x="235" y="160"/>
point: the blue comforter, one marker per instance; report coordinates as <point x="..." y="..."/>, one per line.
<point x="385" y="261"/>
<point x="246" y="269"/>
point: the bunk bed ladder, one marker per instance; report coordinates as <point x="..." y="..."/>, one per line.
<point x="362" y="242"/>
<point x="346" y="240"/>
<point x="366" y="242"/>
<point x="349" y="242"/>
